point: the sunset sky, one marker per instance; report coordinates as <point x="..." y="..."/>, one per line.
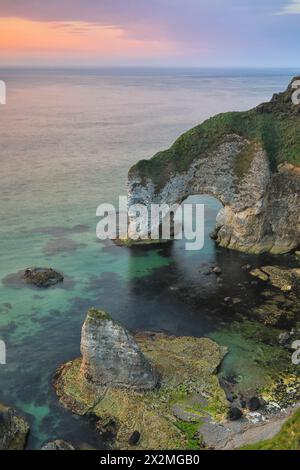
<point x="150" y="32"/>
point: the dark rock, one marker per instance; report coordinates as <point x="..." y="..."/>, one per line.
<point x="228" y="389"/>
<point x="254" y="404"/>
<point x="214" y="234"/>
<point x="134" y="438"/>
<point x="107" y="429"/>
<point x="206" y="273"/>
<point x="234" y="413"/>
<point x="246" y="267"/>
<point x="42" y="277"/>
<point x="58" y="445"/>
<point x="13" y="429"/>
<point x="242" y="400"/>
<point x="217" y="270"/>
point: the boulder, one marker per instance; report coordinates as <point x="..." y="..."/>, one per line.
<point x="13" y="429"/>
<point x="42" y="277"/>
<point x="134" y="438"/>
<point x="58" y="445"/>
<point x="285" y="279"/>
<point x="111" y="357"/>
<point x="254" y="404"/>
<point x="217" y="270"/>
<point x="234" y="413"/>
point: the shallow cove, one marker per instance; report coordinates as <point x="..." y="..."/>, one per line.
<point x="162" y="289"/>
<point x="55" y="173"/>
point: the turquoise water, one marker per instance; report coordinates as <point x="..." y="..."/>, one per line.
<point x="67" y="139"/>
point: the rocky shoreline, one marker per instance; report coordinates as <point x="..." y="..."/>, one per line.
<point x="14" y="429"/>
<point x="186" y="401"/>
<point x="186" y="368"/>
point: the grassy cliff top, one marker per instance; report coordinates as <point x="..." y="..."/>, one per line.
<point x="276" y="125"/>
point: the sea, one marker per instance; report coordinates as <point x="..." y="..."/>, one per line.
<point x="67" y="140"/>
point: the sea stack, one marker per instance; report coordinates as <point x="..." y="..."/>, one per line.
<point x="111" y="357"/>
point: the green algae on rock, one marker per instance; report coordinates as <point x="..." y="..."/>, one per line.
<point x="260" y="364"/>
<point x="249" y="161"/>
<point x="58" y="445"/>
<point x="13" y="429"/>
<point x="187" y="369"/>
<point x="285" y="279"/>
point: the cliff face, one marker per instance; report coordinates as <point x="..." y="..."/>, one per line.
<point x="249" y="161"/>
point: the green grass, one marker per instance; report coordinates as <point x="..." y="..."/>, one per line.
<point x="191" y="432"/>
<point x="277" y="132"/>
<point x="287" y="439"/>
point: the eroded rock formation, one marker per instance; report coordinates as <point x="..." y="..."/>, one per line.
<point x="110" y="355"/>
<point x="189" y="389"/>
<point x="249" y="161"/>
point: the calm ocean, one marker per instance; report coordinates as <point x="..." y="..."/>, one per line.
<point x="67" y="140"/>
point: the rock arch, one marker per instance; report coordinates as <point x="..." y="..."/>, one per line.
<point x="244" y="161"/>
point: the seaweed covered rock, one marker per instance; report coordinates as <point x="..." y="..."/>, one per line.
<point x="187" y="368"/>
<point x="13" y="429"/>
<point x="42" y="277"/>
<point x="285" y="279"/>
<point x="249" y="161"/>
<point x="110" y="355"/>
<point x="58" y="445"/>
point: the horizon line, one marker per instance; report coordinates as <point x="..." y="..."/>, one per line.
<point x="159" y="66"/>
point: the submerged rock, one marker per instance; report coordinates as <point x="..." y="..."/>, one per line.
<point x="111" y="357"/>
<point x="42" y="277"/>
<point x="13" y="429"/>
<point x="58" y="445"/>
<point x="285" y="279"/>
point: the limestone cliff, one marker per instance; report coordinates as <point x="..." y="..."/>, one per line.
<point x="249" y="161"/>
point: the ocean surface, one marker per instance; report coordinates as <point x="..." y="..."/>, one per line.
<point x="67" y="140"/>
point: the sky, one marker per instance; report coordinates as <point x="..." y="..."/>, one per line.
<point x="234" y="33"/>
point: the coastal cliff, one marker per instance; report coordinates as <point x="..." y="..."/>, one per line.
<point x="249" y="161"/>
